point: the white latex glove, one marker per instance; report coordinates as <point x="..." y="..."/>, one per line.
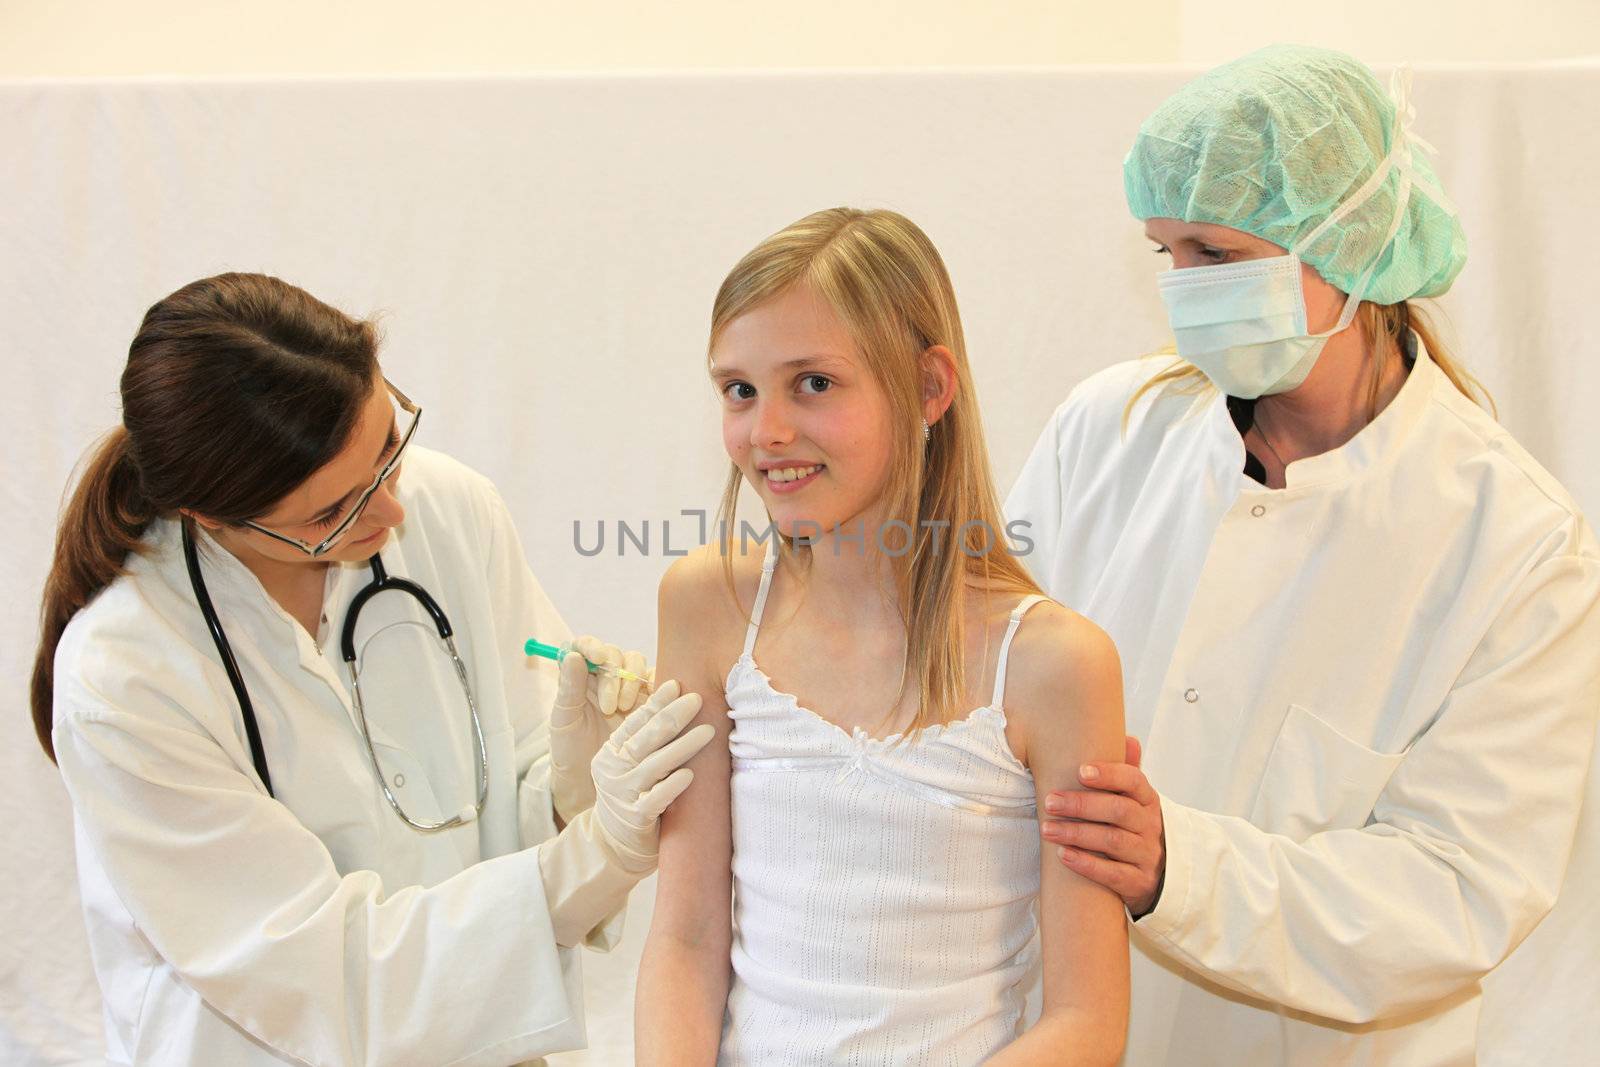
<point x="588" y="707"/>
<point x="640" y="770"/>
<point x="589" y="868"/>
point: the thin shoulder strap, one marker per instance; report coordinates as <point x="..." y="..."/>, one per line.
<point x="1005" y="646"/>
<point x="761" y="596"/>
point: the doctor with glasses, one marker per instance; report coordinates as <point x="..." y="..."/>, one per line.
<point x="325" y="810"/>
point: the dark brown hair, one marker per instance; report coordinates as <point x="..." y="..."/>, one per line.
<point x="237" y="389"/>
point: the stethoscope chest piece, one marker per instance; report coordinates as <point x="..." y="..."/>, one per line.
<point x="382" y="582"/>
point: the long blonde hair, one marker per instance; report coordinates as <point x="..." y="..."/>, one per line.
<point x="1383" y="326"/>
<point x="885" y="280"/>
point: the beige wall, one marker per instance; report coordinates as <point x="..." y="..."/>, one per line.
<point x="1389" y="31"/>
<point x="96" y="37"/>
<point x="91" y="38"/>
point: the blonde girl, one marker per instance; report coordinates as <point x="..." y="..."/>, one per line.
<point x="876" y="835"/>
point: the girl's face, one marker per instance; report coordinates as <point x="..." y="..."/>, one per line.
<point x="1205" y="244"/>
<point x="802" y="417"/>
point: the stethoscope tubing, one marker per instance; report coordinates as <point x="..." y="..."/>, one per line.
<point x="381" y="581"/>
<point x="258" y="752"/>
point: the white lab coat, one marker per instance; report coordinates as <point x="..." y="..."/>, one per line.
<point x="1368" y="701"/>
<point x="229" y="928"/>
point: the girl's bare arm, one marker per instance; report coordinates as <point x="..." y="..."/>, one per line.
<point x="1065" y="692"/>
<point x="683" y="976"/>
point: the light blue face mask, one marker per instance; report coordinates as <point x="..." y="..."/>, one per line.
<point x="1244" y="324"/>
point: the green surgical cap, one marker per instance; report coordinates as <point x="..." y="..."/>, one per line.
<point x="1277" y="142"/>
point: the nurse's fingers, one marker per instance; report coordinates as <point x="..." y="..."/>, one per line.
<point x="1127" y="882"/>
<point x="1094" y="805"/>
<point x="1131" y="751"/>
<point x="1118" y="778"/>
<point x="1113" y="842"/>
<point x="628" y="694"/>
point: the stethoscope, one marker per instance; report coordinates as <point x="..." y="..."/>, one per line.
<point x="381" y="582"/>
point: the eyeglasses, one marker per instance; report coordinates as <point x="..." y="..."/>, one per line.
<point x="404" y="409"/>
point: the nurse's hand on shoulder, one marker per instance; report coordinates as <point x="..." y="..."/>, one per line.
<point x="1110" y="832"/>
<point x="588" y="707"/>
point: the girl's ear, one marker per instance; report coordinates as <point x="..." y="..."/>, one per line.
<point x="938" y="382"/>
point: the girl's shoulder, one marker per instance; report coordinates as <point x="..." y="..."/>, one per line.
<point x="1052" y="642"/>
<point x="1062" y="673"/>
<point x="696" y="591"/>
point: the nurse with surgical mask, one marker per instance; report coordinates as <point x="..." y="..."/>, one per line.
<point x="1359" y="624"/>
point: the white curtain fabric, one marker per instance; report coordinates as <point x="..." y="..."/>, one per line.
<point x="544" y="251"/>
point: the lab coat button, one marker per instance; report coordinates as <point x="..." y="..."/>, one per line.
<point x="1191" y="695"/>
<point x="399" y="781"/>
<point x="1257" y="511"/>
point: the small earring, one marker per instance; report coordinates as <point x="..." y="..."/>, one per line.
<point x="926" y="431"/>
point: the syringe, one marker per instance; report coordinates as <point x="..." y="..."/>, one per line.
<point x="535" y="647"/>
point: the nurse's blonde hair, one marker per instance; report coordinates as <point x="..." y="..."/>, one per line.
<point x="887" y="283"/>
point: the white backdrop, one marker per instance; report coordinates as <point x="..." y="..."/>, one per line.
<point x="544" y="251"/>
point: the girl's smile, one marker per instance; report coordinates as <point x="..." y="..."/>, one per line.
<point x="802" y="417"/>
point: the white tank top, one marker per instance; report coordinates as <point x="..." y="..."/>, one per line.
<point x="883" y="891"/>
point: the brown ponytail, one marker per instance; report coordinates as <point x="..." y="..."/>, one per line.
<point x="102" y="523"/>
<point x="237" y="389"/>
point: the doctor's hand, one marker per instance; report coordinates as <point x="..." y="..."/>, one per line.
<point x="589" y="868"/>
<point x="640" y="771"/>
<point x="588" y="707"/>
<point x="1111" y="831"/>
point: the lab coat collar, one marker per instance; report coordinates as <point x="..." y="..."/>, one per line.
<point x="1363" y="452"/>
<point x="248" y="612"/>
<point x="238" y="596"/>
